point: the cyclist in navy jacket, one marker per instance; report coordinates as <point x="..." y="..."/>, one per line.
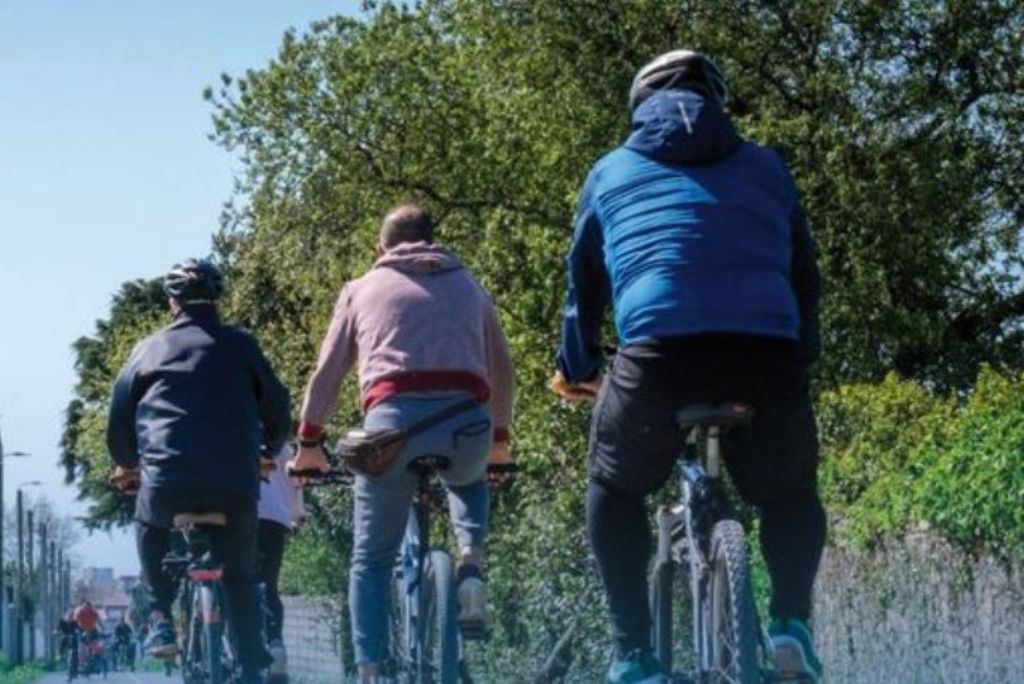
<point x="192" y="408"/>
<point x="696" y="239"/>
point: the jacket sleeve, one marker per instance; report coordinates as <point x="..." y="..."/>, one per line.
<point x="124" y="397"/>
<point x="499" y="368"/>
<point x="580" y="357"/>
<point x="273" y="399"/>
<point x="338" y="353"/>
<point x="806" y="280"/>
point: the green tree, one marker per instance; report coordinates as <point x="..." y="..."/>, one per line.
<point x="138" y="309"/>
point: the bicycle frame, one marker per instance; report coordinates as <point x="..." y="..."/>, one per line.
<point x="684" y="528"/>
<point x="412" y="559"/>
<point x="200" y="593"/>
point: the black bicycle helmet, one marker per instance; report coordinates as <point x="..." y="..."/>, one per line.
<point x="674" y="69"/>
<point x="194" y="281"/>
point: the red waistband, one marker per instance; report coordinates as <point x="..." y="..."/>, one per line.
<point x="427" y="381"/>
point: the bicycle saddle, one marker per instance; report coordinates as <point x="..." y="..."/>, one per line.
<point x="188" y="519"/>
<point x="429" y="464"/>
<point x="726" y="414"/>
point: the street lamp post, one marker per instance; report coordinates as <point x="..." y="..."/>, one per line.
<point x="19" y="600"/>
<point x="31" y="589"/>
<point x="5" y="623"/>
<point x="42" y="601"/>
<point x="51" y="596"/>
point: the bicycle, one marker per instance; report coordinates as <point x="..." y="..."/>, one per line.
<point x="201" y="599"/>
<point x="92" y="658"/>
<point x="705" y="550"/>
<point x="71" y="654"/>
<point x="123" y="655"/>
<point x="426" y="642"/>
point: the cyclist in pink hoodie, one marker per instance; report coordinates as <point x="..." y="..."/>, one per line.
<point x="425" y="335"/>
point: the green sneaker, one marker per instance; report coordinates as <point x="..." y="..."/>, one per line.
<point x="793" y="643"/>
<point x="638" y="667"/>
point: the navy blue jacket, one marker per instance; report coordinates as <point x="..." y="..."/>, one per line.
<point x="688" y="229"/>
<point x="195" y="405"/>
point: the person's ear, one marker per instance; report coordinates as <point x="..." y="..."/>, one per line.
<point x="380" y="250"/>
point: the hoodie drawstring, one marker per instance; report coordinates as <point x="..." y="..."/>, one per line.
<point x="686" y="118"/>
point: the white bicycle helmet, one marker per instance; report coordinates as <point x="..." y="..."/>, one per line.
<point x="675" y="68"/>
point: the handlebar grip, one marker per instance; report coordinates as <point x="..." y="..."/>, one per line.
<point x="314" y="477"/>
<point x="501" y="468"/>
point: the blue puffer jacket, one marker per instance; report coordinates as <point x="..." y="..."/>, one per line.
<point x="688" y="229"/>
<point x="194" y="405"/>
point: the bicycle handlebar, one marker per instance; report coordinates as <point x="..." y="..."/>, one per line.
<point x="317" y="478"/>
<point x="344" y="476"/>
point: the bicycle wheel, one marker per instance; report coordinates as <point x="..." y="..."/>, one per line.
<point x="661" y="612"/>
<point x="192" y="653"/>
<point x="734" y="638"/>
<point x="72" y="662"/>
<point x="441" y="631"/>
<point x="212" y="633"/>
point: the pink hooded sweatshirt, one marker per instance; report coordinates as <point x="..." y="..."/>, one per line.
<point x="416" y="322"/>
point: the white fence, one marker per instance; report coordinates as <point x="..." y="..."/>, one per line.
<point x="920" y="612"/>
<point x="311" y="635"/>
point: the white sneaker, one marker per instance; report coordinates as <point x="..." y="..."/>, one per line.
<point x="472" y="606"/>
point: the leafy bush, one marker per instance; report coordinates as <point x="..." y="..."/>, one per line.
<point x="898" y="456"/>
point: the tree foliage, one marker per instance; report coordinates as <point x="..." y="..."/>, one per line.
<point x="902" y="121"/>
<point x="139" y="308"/>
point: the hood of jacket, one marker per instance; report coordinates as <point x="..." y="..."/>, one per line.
<point x="419" y="258"/>
<point x="682" y="127"/>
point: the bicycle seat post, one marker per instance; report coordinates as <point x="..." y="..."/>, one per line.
<point x="714" y="451"/>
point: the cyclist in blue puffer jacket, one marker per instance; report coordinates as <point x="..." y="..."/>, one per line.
<point x="696" y="239"/>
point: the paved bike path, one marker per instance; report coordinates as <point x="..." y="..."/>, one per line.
<point x="112" y="678"/>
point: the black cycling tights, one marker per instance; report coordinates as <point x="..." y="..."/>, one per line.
<point x="792" y="536"/>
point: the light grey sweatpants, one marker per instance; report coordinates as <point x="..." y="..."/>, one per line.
<point x="382" y="503"/>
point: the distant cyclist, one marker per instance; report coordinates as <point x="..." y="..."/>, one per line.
<point x="696" y="239"/>
<point x="87" y="619"/>
<point x="66" y="631"/>
<point x="194" y="406"/>
<point x="425" y="336"/>
<point x="123" y="639"/>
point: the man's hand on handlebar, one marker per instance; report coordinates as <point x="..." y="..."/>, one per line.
<point x="501" y="464"/>
<point x="308" y="457"/>
<point x="126" y="480"/>
<point x="580" y="392"/>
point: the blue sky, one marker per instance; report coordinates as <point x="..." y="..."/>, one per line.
<point x="106" y="175"/>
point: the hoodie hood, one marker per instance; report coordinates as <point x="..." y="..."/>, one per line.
<point x="682" y="127"/>
<point x="420" y="258"/>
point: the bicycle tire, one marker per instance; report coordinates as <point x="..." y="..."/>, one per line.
<point x="661" y="612"/>
<point x="441" y="647"/>
<point x="734" y="638"/>
<point x="212" y="633"/>
<point x="72" y="662"/>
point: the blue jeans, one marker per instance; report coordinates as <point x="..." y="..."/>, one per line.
<point x="382" y="503"/>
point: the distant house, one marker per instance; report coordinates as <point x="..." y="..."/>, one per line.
<point x="110" y="596"/>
